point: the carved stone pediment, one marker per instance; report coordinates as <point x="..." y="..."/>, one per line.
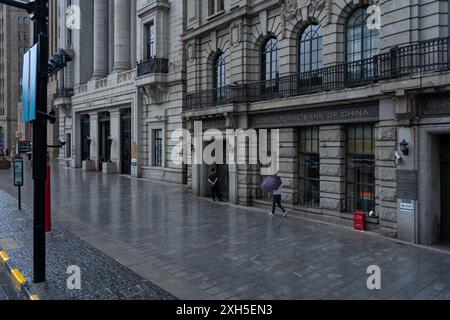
<point x="292" y="10"/>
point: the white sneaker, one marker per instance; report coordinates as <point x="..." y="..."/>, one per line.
<point x="271" y="214"/>
<point x="285" y="214"/>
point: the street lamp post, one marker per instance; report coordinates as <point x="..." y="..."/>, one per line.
<point x="38" y="10"/>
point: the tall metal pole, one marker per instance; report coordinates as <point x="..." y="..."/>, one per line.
<point x="39" y="11"/>
<point x="40" y="140"/>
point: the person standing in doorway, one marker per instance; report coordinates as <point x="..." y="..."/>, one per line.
<point x="214" y="182"/>
<point x="277" y="198"/>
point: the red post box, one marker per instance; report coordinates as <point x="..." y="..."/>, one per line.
<point x="360" y="220"/>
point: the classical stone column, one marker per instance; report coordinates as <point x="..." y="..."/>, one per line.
<point x="133" y="33"/>
<point x="95" y="143"/>
<point x="122" y="35"/>
<point x="116" y="143"/>
<point x="101" y="27"/>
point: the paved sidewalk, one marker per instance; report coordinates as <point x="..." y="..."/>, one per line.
<point x="101" y="277"/>
<point x="196" y="249"/>
<point x="7" y="290"/>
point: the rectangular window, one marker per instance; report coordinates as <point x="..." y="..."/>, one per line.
<point x="215" y="6"/>
<point x="150" y="40"/>
<point x="69" y="37"/>
<point x="361" y="168"/>
<point x="309" y="170"/>
<point x="211" y="7"/>
<point x="220" y="5"/>
<point x="157" y="147"/>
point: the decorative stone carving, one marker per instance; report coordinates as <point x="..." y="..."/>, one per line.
<point x="155" y="94"/>
<point x="235" y="34"/>
<point x="291" y="10"/>
<point x="190" y="51"/>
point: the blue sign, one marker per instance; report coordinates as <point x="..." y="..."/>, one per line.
<point x="29" y="84"/>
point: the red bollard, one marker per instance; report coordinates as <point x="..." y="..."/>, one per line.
<point x="48" y="202"/>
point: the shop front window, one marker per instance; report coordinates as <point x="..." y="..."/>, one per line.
<point x="361" y="168"/>
<point x="309" y="171"/>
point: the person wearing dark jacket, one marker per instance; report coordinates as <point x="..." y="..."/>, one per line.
<point x="214" y="182"/>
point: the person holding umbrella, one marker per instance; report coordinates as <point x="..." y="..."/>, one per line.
<point x="274" y="184"/>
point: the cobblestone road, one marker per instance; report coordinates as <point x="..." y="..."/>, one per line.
<point x="102" y="277"/>
<point x="194" y="248"/>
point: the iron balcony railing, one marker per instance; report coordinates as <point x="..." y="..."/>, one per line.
<point x="418" y="58"/>
<point x="62" y="93"/>
<point x="152" y="66"/>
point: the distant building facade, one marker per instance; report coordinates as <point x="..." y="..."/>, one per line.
<point x="14" y="42"/>
<point x="123" y="93"/>
<point x="359" y="91"/>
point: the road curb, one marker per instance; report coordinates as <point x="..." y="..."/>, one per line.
<point x="17" y="277"/>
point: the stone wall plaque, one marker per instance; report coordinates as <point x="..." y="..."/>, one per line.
<point x="407" y="184"/>
<point x="360" y="113"/>
<point x="214" y="124"/>
<point x="435" y="105"/>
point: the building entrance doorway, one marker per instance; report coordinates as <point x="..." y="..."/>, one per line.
<point x="125" y="129"/>
<point x="104" y="138"/>
<point x="85" y="138"/>
<point x="445" y="187"/>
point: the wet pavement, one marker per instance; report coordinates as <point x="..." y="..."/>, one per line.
<point x="7" y="289"/>
<point x="196" y="249"/>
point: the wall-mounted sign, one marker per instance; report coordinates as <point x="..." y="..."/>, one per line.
<point x="359" y="113"/>
<point x="29" y="83"/>
<point x="407" y="184"/>
<point x="24" y="147"/>
<point x="407" y="206"/>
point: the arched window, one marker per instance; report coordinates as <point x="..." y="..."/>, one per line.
<point x="362" y="42"/>
<point x="269" y="60"/>
<point x="219" y="71"/>
<point x="310" y="49"/>
<point x="220" y="80"/>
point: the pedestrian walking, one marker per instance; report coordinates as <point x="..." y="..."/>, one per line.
<point x="214" y="182"/>
<point x="274" y="184"/>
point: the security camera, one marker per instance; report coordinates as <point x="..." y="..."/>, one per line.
<point x="373" y="215"/>
<point x="398" y="158"/>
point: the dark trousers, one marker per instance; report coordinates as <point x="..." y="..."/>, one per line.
<point x="277" y="203"/>
<point x="216" y="193"/>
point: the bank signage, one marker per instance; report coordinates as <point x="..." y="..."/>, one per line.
<point x="360" y="113"/>
<point x="435" y="105"/>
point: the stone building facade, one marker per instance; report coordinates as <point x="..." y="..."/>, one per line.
<point x="359" y="91"/>
<point x="123" y="92"/>
<point x="14" y="42"/>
